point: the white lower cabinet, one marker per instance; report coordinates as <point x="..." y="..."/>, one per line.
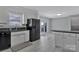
<point x="77" y="43"/>
<point x="26" y="36"/>
<point x="59" y="39"/>
<point x="53" y="37"/>
<point x="69" y="41"/>
<point x="19" y="37"/>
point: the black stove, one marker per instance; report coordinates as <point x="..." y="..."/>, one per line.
<point x="5" y="39"/>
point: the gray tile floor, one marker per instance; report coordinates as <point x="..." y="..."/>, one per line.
<point x="45" y="44"/>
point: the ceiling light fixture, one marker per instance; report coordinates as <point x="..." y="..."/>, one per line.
<point x="59" y="14"/>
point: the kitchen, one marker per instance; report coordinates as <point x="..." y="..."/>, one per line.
<point x="14" y="32"/>
<point x="58" y="24"/>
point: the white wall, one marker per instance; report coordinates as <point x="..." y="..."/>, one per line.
<point x="3" y="15"/>
<point x="61" y="24"/>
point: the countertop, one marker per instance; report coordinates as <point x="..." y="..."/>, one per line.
<point x="14" y="29"/>
<point x="17" y="29"/>
<point x="76" y="32"/>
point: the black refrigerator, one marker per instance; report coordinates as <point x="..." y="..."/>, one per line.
<point x="33" y="25"/>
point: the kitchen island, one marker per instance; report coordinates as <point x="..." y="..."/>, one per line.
<point x="67" y="40"/>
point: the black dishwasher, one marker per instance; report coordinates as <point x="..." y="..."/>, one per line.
<point x="5" y="39"/>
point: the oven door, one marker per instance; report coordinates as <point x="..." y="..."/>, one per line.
<point x="4" y="40"/>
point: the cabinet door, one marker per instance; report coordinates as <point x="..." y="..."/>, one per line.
<point x="69" y="41"/>
<point x="26" y="36"/>
<point x="51" y="35"/>
<point x="77" y="43"/>
<point x="17" y="39"/>
<point x="4" y="42"/>
<point x="59" y="39"/>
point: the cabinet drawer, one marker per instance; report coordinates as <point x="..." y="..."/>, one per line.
<point x="15" y="40"/>
<point x="71" y="34"/>
<point x="66" y="34"/>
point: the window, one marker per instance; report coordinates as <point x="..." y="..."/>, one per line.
<point x="15" y="19"/>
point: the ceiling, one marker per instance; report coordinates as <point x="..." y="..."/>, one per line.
<point x="55" y="11"/>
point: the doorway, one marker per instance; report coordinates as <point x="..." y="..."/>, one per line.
<point x="43" y="28"/>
